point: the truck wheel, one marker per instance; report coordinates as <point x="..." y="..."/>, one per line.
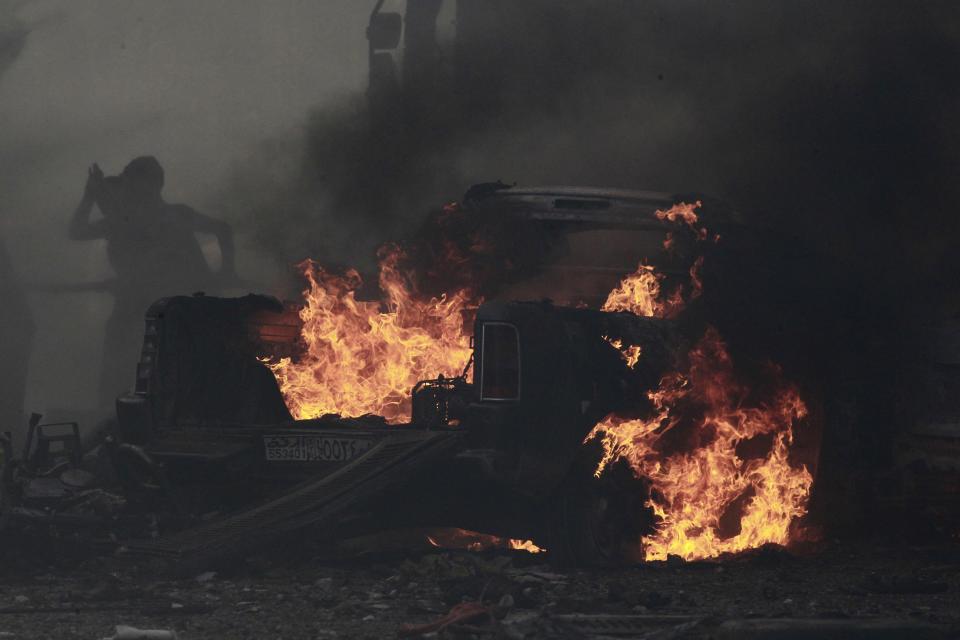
<point x="599" y="521"/>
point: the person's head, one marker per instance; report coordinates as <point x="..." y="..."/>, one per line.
<point x="143" y="178"/>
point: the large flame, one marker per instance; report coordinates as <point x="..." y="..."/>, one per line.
<point x="365" y="357"/>
<point x="717" y="460"/>
<point x="717" y="456"/>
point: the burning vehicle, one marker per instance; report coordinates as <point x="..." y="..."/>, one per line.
<point x="607" y="422"/>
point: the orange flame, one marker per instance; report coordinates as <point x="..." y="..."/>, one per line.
<point x="365" y="357"/>
<point x="709" y="499"/>
<point x="682" y="212"/>
<point x="709" y="496"/>
<point x="712" y="498"/>
<point x="630" y="352"/>
<point x="638" y="293"/>
<point x="452" y="538"/>
<point x="525" y="545"/>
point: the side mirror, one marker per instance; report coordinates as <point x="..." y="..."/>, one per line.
<point x="384" y="30"/>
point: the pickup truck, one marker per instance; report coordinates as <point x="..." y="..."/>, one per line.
<point x="498" y="449"/>
<point x="205" y="440"/>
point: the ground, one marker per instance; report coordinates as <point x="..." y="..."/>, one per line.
<point x="301" y="593"/>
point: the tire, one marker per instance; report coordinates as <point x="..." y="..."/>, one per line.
<point x="597" y="522"/>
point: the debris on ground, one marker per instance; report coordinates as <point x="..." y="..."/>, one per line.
<point x="463" y="613"/>
<point x="296" y="592"/>
<point x="132" y="633"/>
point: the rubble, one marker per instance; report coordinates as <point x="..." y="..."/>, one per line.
<point x="798" y="629"/>
<point x="132" y="633"/>
<point x="460" y="614"/>
<point x="903" y="584"/>
<point x="292" y="592"/>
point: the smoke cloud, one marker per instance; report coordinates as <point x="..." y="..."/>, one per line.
<point x="197" y="85"/>
<point x="825" y="120"/>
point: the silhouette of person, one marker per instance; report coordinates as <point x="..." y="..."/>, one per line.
<point x="153" y="250"/>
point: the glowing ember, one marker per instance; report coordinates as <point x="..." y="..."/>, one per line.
<point x="630" y="353"/>
<point x="473" y="541"/>
<point x="364" y="357"/>
<point x="696" y="283"/>
<point x="525" y="545"/>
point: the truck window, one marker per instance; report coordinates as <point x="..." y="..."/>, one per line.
<point x="591" y="264"/>
<point x="500" y="362"/>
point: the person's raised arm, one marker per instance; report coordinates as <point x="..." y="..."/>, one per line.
<point x="81" y="228"/>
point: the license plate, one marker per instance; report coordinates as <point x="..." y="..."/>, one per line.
<point x="314" y="448"/>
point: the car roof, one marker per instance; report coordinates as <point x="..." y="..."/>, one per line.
<point x="575" y="204"/>
<point x="589" y="192"/>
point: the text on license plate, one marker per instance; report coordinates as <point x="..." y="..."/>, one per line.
<point x="311" y="448"/>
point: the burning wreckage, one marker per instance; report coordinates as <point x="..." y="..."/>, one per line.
<point x="510" y="379"/>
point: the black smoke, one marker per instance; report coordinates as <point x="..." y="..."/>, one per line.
<point x="831" y="121"/>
